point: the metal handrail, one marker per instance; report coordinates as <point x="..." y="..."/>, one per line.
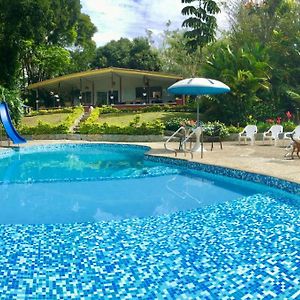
<point x="182" y="128"/>
<point x="187" y="135"/>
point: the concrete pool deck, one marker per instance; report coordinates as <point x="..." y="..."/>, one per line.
<point x="264" y="159"/>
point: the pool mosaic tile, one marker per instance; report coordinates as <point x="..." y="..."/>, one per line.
<point x="284" y="185"/>
<point x="243" y="249"/>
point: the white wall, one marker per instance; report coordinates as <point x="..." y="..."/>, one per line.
<point x="128" y="85"/>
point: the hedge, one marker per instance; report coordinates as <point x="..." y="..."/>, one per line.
<point x="46" y="128"/>
<point x="93" y="126"/>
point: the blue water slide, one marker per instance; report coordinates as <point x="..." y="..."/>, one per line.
<point x="8" y="125"/>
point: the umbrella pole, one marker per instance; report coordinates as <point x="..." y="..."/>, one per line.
<point x="198" y="121"/>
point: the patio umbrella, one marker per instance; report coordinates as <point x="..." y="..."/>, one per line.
<point x="198" y="86"/>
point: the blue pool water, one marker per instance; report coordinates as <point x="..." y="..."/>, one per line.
<point x="94" y="183"/>
<point x="202" y="232"/>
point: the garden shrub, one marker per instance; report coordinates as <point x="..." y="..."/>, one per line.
<point x="107" y="109"/>
<point x="93" y="126"/>
<point x="263" y="126"/>
<point x="174" y="123"/>
<point x="14" y="102"/>
<point x="50" y="111"/>
<point x="234" y="129"/>
<point x="46" y="128"/>
<point x="215" y="128"/>
<point x="152" y="108"/>
<point x="179" y="108"/>
<point x="288" y="125"/>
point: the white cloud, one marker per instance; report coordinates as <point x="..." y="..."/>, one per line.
<point x="131" y="18"/>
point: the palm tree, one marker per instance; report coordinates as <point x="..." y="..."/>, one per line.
<point x="246" y="72"/>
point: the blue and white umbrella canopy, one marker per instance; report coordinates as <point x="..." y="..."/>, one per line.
<point x="198" y="86"/>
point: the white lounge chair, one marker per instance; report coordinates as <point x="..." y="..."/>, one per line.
<point x="273" y="134"/>
<point x="295" y="133"/>
<point x="248" y="134"/>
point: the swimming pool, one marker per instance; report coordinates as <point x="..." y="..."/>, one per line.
<point x="246" y="245"/>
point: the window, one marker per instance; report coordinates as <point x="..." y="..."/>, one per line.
<point x="101" y="98"/>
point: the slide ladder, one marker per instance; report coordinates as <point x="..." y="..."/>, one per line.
<point x="8" y="125"/>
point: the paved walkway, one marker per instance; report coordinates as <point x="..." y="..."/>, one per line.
<point x="264" y="159"/>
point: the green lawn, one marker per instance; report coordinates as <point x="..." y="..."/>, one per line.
<point x="123" y="119"/>
<point x="51" y="119"/>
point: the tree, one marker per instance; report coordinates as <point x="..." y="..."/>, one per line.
<point x="84" y="50"/>
<point x="175" y="57"/>
<point x="202" y="22"/>
<point x="142" y="57"/>
<point x="247" y="73"/>
<point x="43" y="62"/>
<point x="13" y="99"/>
<point x="123" y="53"/>
<point x="275" y="25"/>
<point x="114" y="54"/>
<point x="43" y="23"/>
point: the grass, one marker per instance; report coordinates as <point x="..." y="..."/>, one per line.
<point x="123" y="119"/>
<point x="51" y="119"/>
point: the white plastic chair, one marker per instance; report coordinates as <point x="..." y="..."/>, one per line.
<point x="295" y="133"/>
<point x="273" y="134"/>
<point x="248" y="134"/>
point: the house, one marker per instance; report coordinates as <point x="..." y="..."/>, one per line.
<point x="109" y="86"/>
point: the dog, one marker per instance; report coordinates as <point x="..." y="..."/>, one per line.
<point x="294" y="147"/>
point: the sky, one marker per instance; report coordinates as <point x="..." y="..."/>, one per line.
<point x="131" y="18"/>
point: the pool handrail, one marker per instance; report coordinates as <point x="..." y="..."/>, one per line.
<point x="173" y="136"/>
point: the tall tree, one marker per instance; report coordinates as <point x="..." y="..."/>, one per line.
<point x="201" y="23"/>
<point x="42" y="23"/>
<point x="275" y="24"/>
<point x="136" y="54"/>
<point x="175" y="57"/>
<point x="84" y="51"/>
<point x="142" y="56"/>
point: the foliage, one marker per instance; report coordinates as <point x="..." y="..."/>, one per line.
<point x="247" y="73"/>
<point x="136" y="54"/>
<point x="234" y="129"/>
<point x="174" y="123"/>
<point x="49" y="25"/>
<point x="275" y="26"/>
<point x="44" y="61"/>
<point x="263" y="126"/>
<point x="154" y="108"/>
<point x="46" y="128"/>
<point x="175" y="56"/>
<point x="202" y="22"/>
<point x="92" y="126"/>
<point x="14" y="102"/>
<point x="50" y="111"/>
<point x="215" y="128"/>
<point x="82" y="58"/>
<point x="288" y="125"/>
<point x="107" y="109"/>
